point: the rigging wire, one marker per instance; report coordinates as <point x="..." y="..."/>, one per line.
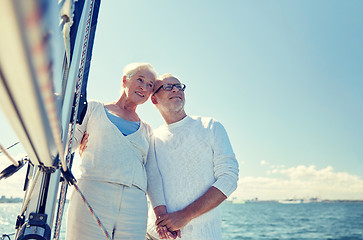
<point x="15" y="163"/>
<point x="20" y="118"/>
<point x="11" y="146"/>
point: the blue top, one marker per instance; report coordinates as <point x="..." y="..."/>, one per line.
<point x="125" y="127"/>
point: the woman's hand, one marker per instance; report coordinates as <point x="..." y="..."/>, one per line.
<point x="164" y="233"/>
<point x="173" y="221"/>
<point x="83" y="144"/>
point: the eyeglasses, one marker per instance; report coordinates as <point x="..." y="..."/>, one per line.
<point x="169" y="87"/>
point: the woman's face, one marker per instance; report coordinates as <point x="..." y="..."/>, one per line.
<point x="139" y="86"/>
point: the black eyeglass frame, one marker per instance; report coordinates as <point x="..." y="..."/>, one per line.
<point x="164" y="86"/>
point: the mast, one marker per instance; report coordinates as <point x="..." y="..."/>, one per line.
<point x="44" y="70"/>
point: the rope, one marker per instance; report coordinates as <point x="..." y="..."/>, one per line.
<point x="74" y="118"/>
<point x="3" y="150"/>
<point x="79" y="82"/>
<point x="92" y="212"/>
<point x="27" y="200"/>
<point x="6" y="236"/>
<point x="61" y="203"/>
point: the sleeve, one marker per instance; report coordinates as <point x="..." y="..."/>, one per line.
<point x="154" y="181"/>
<point x="80" y="129"/>
<point x="225" y="163"/>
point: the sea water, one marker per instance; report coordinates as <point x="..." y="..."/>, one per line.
<point x="274" y="220"/>
<point x="263" y="220"/>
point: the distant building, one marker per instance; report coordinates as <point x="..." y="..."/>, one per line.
<point x="4" y="199"/>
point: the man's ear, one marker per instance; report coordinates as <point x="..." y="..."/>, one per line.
<point x="153" y="99"/>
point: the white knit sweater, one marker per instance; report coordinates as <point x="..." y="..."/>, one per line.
<point x="193" y="155"/>
<point x="112" y="157"/>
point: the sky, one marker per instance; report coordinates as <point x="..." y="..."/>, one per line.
<point x="285" y="78"/>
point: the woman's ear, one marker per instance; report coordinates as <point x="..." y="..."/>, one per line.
<point x="153" y="99"/>
<point x="124" y="81"/>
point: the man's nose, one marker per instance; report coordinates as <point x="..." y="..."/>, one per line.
<point x="175" y="89"/>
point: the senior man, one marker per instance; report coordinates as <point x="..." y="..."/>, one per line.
<point x="197" y="165"/>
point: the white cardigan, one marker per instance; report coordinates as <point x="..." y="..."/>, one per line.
<point x="112" y="157"/>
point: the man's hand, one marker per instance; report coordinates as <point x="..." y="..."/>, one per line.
<point x="83" y="144"/>
<point x="164" y="233"/>
<point x="173" y="221"/>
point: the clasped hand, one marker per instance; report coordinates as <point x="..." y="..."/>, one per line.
<point x="169" y="224"/>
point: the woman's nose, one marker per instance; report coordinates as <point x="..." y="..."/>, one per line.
<point x="143" y="86"/>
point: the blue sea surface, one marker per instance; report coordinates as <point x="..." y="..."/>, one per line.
<point x="263" y="220"/>
<point x="273" y="220"/>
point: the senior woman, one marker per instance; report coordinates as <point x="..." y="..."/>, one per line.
<point x="114" y="169"/>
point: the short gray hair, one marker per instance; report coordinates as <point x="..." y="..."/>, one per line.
<point x="131" y="68"/>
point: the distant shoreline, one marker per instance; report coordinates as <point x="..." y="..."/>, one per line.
<point x="4" y="199"/>
<point x="295" y="201"/>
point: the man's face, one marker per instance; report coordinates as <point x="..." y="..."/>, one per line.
<point x="172" y="100"/>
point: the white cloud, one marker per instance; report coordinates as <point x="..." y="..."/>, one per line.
<point x="301" y="182"/>
<point x="263" y="162"/>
